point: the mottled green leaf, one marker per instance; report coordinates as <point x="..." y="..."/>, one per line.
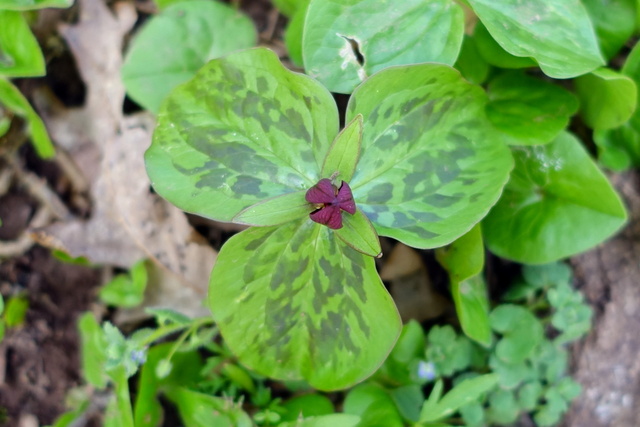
<point x="294" y="302"/>
<point x="462" y="394"/>
<point x="277" y="210"/>
<point x="33" y="4"/>
<point x="464" y="261"/>
<point x="20" y="54"/>
<point x="529" y="110"/>
<point x="614" y="22"/>
<point x="558" y="34"/>
<point x="607" y="98"/>
<point x="245" y="129"/>
<point x="358" y="232"/>
<point x="345" y="41"/>
<point x="344" y="152"/>
<point x="495" y="54"/>
<point x="557" y="204"/>
<point x="173" y="45"/>
<point x="470" y="62"/>
<point x="13" y="100"/>
<point x="430" y="164"/>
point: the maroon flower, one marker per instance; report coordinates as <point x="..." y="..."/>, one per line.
<point x="329" y="202"/>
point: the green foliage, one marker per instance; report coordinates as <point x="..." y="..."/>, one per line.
<point x="15" y="311"/>
<point x="608" y="98"/>
<point x="528" y="110"/>
<point x="20" y="55"/>
<point x="557" y="204"/>
<point x="266" y="133"/>
<point x="126" y="290"/>
<point x="464" y="261"/>
<point x="558" y="34"/>
<point x="12" y="100"/>
<point x="407" y="32"/>
<point x="33" y="4"/>
<point x="174" y="44"/>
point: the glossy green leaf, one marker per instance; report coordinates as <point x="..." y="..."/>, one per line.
<point x="495" y="54"/>
<point x="358" y="232"/>
<point x="340" y="50"/>
<point x="92" y="350"/>
<point x="294" y="302"/>
<point x="201" y="410"/>
<point x="558" y="34"/>
<point x="528" y="110"/>
<point x="344" y="152"/>
<point x="608" y="99"/>
<point x="464" y="261"/>
<point x="173" y="45"/>
<point x="275" y="211"/>
<point x="430" y="166"/>
<point x="462" y="394"/>
<point x="20" y="54"/>
<point x="33" y="4"/>
<point x="13" y="100"/>
<point x="521" y="332"/>
<point x="245" y="129"/>
<point x="470" y="62"/>
<point x="557" y="204"/>
<point x="614" y="22"/>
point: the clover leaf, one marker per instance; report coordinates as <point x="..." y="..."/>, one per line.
<point x="248" y="141"/>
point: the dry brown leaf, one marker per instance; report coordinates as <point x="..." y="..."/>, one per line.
<point x="128" y="222"/>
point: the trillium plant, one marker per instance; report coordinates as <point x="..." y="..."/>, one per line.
<point x="297" y="295"/>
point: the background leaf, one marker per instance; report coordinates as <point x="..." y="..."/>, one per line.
<point x="529" y="110"/>
<point x="33" y="4"/>
<point x="13" y="100"/>
<point x="557" y="203"/>
<point x="294" y="302"/>
<point x="614" y="22"/>
<point x="243" y="130"/>
<point x="464" y="261"/>
<point x="608" y="99"/>
<point x="556" y="33"/>
<point x="395" y="33"/>
<point x="20" y="54"/>
<point x="173" y="45"/>
<point x="430" y="166"/>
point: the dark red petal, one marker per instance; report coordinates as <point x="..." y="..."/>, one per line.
<point x="329" y="216"/>
<point x="345" y="199"/>
<point x="322" y="192"/>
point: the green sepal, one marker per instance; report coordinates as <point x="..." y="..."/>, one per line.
<point x="275" y="211"/>
<point x="358" y="232"/>
<point x="344" y="152"/>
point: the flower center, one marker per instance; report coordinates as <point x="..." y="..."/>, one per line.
<point x="330" y="201"/>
